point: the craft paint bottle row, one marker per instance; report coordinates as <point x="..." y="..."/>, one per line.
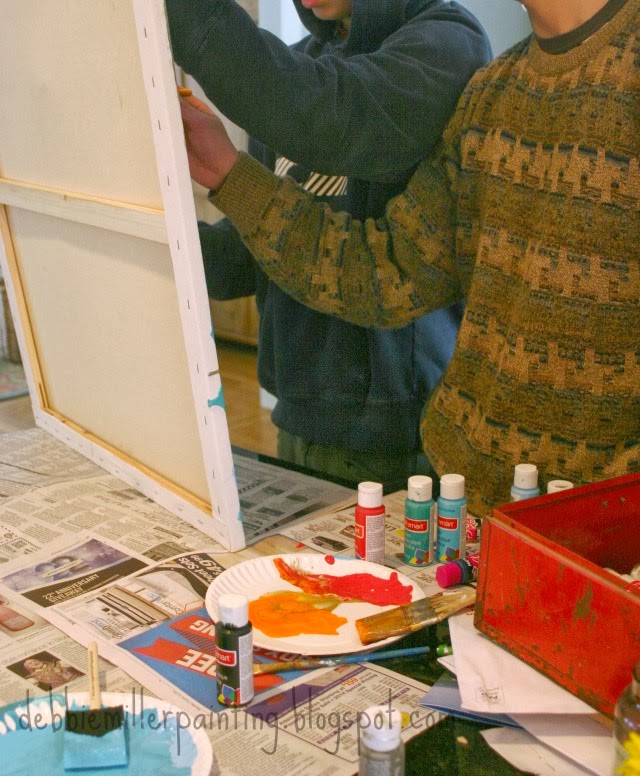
<point x="422" y="514"/>
<point x="433" y="530"/>
<point x="525" y="483"/>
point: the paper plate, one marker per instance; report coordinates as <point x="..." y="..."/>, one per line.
<point x="31" y="737"/>
<point x="258" y="576"/>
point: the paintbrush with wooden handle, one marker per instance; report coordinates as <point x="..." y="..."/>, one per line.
<point x="304" y="663"/>
<point x="414" y="616"/>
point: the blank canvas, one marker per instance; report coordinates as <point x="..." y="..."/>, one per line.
<point x="101" y="254"/>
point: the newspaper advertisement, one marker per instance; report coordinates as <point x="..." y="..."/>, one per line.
<point x="38" y="657"/>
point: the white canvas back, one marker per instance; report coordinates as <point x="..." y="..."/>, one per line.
<point x="101" y="254"/>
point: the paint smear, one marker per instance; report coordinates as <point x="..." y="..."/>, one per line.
<point x="288" y="613"/>
<point x="350" y="587"/>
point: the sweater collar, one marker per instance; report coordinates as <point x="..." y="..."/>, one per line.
<point x="563" y="43"/>
<point x="553" y="64"/>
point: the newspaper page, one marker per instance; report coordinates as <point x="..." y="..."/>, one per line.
<point x="149" y="620"/>
<point x="81" y="495"/>
<point x="37" y="657"/>
<point x="271" y="497"/>
<point x="84" y="556"/>
<point x="312" y="725"/>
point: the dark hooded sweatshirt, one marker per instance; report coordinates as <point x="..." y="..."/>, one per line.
<point x="349" y="118"/>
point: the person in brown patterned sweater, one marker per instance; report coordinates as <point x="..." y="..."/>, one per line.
<point x="530" y="212"/>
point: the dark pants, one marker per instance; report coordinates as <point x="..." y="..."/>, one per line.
<point x="354" y="466"/>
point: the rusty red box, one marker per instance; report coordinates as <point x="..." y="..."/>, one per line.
<point x="545" y="592"/>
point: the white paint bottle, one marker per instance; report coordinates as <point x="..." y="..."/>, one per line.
<point x="525" y="482"/>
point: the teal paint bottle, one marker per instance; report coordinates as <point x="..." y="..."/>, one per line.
<point x="525" y="482"/>
<point x="452" y="519"/>
<point x="419" y="514"/>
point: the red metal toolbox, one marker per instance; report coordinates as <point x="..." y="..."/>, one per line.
<point x="544" y="592"/>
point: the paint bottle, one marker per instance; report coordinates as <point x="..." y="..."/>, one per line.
<point x="459" y="571"/>
<point x="525" y="482"/>
<point x="234" y="651"/>
<point x="626" y="723"/>
<point x="419" y="514"/>
<point x="556" y="486"/>
<point x="369" y="523"/>
<point x="452" y="518"/>
<point x="381" y="745"/>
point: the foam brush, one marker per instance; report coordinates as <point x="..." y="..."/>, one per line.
<point x="95" y="737"/>
<point x="414" y="616"/>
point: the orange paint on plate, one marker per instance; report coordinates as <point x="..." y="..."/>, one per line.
<point x="283" y="614"/>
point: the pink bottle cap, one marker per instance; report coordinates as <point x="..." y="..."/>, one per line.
<point x="449" y="574"/>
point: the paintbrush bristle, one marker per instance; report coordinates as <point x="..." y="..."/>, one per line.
<point x="414" y="616"/>
<point x="448" y="601"/>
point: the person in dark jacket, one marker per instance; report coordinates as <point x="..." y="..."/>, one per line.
<point x="348" y="112"/>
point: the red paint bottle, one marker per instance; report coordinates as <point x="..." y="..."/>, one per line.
<point x="369" y="523"/>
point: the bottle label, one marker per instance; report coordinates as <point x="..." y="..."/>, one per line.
<point x="452" y="531"/>
<point x="226" y="657"/>
<point x="369" y="536"/>
<point x="417" y="539"/>
<point x="419" y="526"/>
<point x="381" y="763"/>
<point x="520" y="494"/>
<point x="234" y="668"/>
<point x="381" y="766"/>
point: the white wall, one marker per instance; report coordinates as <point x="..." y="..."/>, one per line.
<point x="280" y="17"/>
<point x="504" y="20"/>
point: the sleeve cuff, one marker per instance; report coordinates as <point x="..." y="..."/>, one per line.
<point x="246" y="193"/>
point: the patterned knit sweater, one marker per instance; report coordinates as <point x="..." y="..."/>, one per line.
<point x="530" y="212"/>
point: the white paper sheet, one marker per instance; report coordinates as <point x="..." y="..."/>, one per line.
<point x="493" y="680"/>
<point x="585" y="739"/>
<point x="523" y="751"/>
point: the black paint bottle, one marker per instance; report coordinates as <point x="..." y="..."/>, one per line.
<point x="234" y="651"/>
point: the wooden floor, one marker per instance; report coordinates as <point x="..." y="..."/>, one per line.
<point x="250" y="424"/>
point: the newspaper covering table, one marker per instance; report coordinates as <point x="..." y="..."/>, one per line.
<point x="86" y="557"/>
